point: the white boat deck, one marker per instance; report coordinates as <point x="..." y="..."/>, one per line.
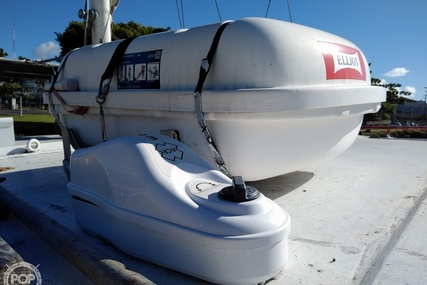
<point x="360" y="218"/>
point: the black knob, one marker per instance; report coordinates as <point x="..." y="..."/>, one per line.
<point x="238" y="191"/>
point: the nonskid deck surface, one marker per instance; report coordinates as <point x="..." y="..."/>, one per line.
<point x="357" y="219"/>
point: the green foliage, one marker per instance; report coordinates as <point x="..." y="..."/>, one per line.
<point x="35" y="118"/>
<point x="10" y="89"/>
<point x="3" y="53"/>
<point x="132" y="29"/>
<point x="395" y="97"/>
<point x="388" y="110"/>
<point x="73" y="36"/>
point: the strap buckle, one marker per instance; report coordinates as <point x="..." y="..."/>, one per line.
<point x="205" y="65"/>
<point x="106" y="87"/>
<point x="103" y="91"/>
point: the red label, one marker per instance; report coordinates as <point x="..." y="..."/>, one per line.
<point x="342" y="62"/>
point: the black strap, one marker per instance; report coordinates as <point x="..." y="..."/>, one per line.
<point x="206" y="62"/>
<point x="55" y="76"/>
<point x="103" y="90"/>
<point x="204" y="70"/>
<point x="115" y="60"/>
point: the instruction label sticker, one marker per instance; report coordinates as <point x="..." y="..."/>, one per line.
<point x="140" y="70"/>
<point x="342" y="62"/>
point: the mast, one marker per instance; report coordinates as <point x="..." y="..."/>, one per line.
<point x="100" y="19"/>
<point x="101" y="29"/>
<point x="14" y="39"/>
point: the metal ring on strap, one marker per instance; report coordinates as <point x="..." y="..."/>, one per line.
<point x="107" y="76"/>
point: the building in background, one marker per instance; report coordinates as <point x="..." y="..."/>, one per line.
<point x="412" y="111"/>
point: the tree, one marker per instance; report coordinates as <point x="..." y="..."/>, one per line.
<point x="73" y="36"/>
<point x="395" y="97"/>
<point x="3" y="53"/>
<point x="132" y="29"/>
<point x="10" y="89"/>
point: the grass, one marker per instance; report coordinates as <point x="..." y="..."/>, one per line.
<point x="35" y="118"/>
<point x="32" y="123"/>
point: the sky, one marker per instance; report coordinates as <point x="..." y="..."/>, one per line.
<point x="391" y="33"/>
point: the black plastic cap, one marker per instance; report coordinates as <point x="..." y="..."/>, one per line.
<point x="238" y="191"/>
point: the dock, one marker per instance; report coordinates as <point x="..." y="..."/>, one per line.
<point x="360" y="218"/>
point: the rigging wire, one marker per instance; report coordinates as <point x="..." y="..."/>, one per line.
<point x="113" y="6"/>
<point x="179" y="14"/>
<point x="182" y="13"/>
<point x="217" y="9"/>
<point x="268" y="8"/>
<point x="86" y="20"/>
<point x="289" y="10"/>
